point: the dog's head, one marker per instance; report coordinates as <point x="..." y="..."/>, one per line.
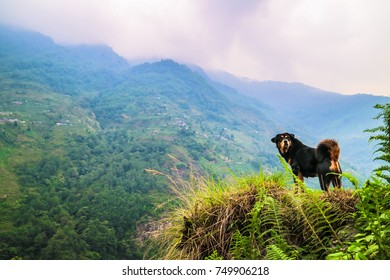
<point x="283" y="141"/>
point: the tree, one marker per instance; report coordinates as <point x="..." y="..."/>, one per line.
<point x="66" y="244"/>
<point x="101" y="239"/>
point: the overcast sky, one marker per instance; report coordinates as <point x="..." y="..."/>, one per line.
<point x="336" y="45"/>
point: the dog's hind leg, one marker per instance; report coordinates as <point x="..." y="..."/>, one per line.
<point x="322" y="183"/>
<point x="337" y="178"/>
<point x="336" y="181"/>
<point x="325" y="181"/>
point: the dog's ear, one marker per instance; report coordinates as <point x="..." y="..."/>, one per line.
<point x="292" y="135"/>
<point x="275" y="139"/>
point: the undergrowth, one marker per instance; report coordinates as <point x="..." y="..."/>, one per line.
<point x="261" y="216"/>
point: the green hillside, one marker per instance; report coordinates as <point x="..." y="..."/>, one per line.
<point x="78" y="129"/>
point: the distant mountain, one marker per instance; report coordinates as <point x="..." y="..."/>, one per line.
<point x="99" y="56"/>
<point x="166" y="98"/>
<point x="120" y="95"/>
<point x="32" y="57"/>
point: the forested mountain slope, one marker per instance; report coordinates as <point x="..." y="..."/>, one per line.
<point x="79" y="127"/>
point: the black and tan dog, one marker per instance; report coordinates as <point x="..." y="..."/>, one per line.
<point x="305" y="161"/>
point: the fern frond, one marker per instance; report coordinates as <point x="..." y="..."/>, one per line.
<point x="352" y="179"/>
<point x="272" y="217"/>
<point x="276" y="253"/>
<point x="312" y="228"/>
<point x="317" y="221"/>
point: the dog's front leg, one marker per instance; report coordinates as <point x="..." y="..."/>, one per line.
<point x="297" y="171"/>
<point x="322" y="183"/>
<point x="298" y="176"/>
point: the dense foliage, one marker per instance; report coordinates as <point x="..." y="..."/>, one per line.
<point x="85" y="203"/>
<point x="382" y="138"/>
<point x="372" y="240"/>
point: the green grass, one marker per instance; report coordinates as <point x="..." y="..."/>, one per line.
<point x="261" y="216"/>
<point x="9" y="188"/>
<point x="5" y="152"/>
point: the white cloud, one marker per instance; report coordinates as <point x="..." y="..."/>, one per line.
<point x="339" y="45"/>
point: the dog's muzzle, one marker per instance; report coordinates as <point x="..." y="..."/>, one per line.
<point x="284" y="145"/>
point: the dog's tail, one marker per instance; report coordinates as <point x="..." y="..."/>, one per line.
<point x="328" y="148"/>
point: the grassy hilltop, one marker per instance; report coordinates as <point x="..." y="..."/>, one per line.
<point x="267" y="217"/>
